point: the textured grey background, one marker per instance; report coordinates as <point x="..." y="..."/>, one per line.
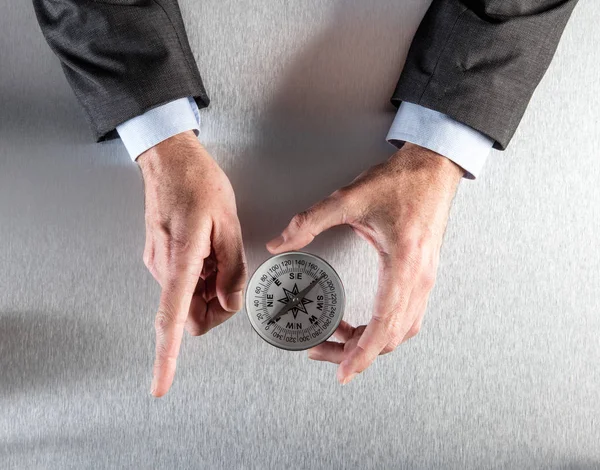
<point x="505" y="372"/>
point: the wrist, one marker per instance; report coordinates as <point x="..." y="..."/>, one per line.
<point x="179" y="150"/>
<point x="441" y="169"/>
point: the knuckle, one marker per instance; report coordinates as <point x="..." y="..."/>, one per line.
<point x="179" y="245"/>
<point x="184" y="242"/>
<point x="162" y="320"/>
<point x="385" y="318"/>
<point x="166" y="317"/>
<point x="343" y="194"/>
<point x="163" y="357"/>
<point x="395" y="333"/>
<point x="428" y="277"/>
<point x="388" y="324"/>
<point x="414" y="331"/>
<point x="196" y="247"/>
<point x="168" y="232"/>
<point x="161" y="350"/>
<point x="227" y="229"/>
<point x="148" y="260"/>
<point x="412" y="250"/>
<point x="347" y="199"/>
<point x="300" y="220"/>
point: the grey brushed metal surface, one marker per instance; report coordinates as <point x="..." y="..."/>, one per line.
<point x="505" y="372"/>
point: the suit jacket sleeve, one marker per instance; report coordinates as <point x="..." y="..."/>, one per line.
<point x="479" y="61"/>
<point x="121" y="57"/>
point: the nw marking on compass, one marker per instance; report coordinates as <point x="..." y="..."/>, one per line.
<point x="291" y="296"/>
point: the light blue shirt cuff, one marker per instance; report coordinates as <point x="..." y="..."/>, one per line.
<point x="465" y="146"/>
<point x="145" y="131"/>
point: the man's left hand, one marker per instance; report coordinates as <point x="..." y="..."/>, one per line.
<point x="401" y="208"/>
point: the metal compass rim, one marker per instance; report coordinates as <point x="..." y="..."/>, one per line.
<point x="334" y="325"/>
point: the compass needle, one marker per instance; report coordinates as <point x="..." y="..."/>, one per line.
<point x="276" y="282"/>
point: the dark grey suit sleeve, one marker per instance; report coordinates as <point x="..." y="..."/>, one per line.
<point x="121" y="57"/>
<point x="480" y="61"/>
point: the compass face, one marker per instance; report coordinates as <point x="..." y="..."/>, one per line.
<point x="295" y="300"/>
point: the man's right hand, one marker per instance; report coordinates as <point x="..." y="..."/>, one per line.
<point x="193" y="246"/>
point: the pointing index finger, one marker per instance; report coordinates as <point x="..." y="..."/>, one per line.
<point x="170" y="321"/>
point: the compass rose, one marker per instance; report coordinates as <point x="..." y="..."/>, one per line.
<point x="290" y="296"/>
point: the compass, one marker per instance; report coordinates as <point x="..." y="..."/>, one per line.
<point x="295" y="300"/>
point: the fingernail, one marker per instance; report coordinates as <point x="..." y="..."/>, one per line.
<point x="234" y="301"/>
<point x="275" y="243"/>
<point x="348" y="378"/>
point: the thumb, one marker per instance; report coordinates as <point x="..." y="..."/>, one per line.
<point x="305" y="226"/>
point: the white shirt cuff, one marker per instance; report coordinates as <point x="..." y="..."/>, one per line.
<point x="145" y="131"/>
<point x="465" y="146"/>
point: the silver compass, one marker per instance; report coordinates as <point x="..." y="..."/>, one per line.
<point x="295" y="300"/>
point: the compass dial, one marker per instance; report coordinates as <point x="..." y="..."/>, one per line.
<point x="295" y="300"/>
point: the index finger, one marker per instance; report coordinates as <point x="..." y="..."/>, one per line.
<point x="175" y="300"/>
<point x="393" y="293"/>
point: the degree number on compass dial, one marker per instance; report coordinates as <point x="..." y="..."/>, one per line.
<point x="277" y="286"/>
